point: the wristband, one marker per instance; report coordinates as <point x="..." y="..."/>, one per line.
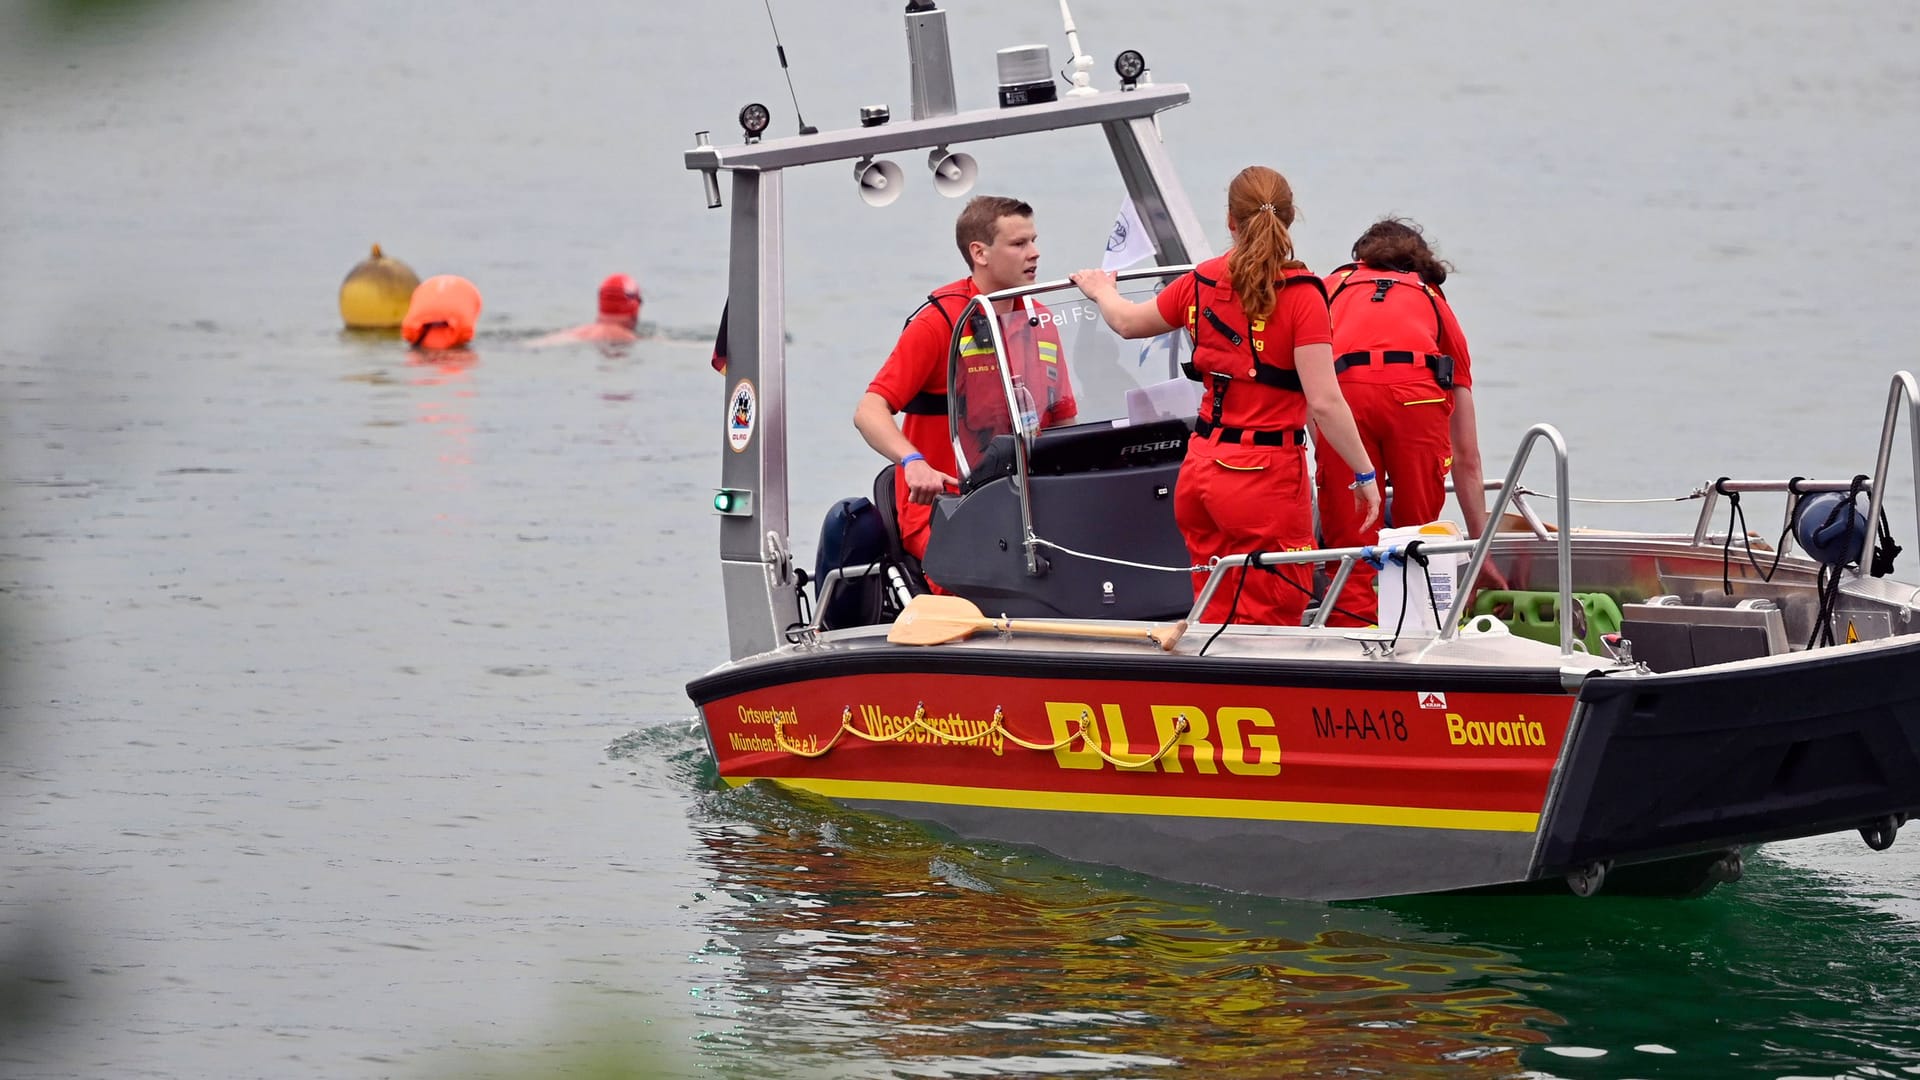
<point x="911" y="458"/>
<point x="1362" y="479"/>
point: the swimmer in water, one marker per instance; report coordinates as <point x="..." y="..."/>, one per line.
<point x="619" y="319"/>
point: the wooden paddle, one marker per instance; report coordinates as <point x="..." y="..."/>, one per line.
<point x="932" y="619"/>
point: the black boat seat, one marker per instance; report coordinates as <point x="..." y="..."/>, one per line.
<point x="1668" y="635"/>
<point x="884" y="501"/>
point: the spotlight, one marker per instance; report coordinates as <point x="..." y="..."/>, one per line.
<point x="753" y="120"/>
<point x="953" y="172"/>
<point x="1026" y="75"/>
<point x="880" y="181"/>
<point x="1130" y="65"/>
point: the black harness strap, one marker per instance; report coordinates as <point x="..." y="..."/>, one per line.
<point x="1221" y="325"/>
<point x="1220" y="384"/>
<point x="933" y="301"/>
<point x="1382" y="287"/>
<point x="1439" y="363"/>
<point x="1284" y="437"/>
<point x="1263" y="373"/>
<point x="927" y="403"/>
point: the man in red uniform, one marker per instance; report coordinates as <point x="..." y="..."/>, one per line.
<point x="997" y="239"/>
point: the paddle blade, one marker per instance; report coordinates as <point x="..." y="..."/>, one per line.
<point x="932" y="619"/>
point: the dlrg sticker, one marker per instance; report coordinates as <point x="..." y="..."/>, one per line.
<point x="741" y="412"/>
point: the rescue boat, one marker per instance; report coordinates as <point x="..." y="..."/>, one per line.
<point x="1630" y="712"/>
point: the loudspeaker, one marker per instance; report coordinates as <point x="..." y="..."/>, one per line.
<point x="880" y="181"/>
<point x="953" y="172"/>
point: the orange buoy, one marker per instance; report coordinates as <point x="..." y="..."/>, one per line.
<point x="442" y="313"/>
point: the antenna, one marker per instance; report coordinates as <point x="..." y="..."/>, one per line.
<point x="806" y="128"/>
<point x="1082" y="63"/>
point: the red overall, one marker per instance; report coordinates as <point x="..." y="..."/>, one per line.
<point x="1244" y="486"/>
<point x="1395" y="342"/>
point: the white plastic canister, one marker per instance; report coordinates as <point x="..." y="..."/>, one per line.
<point x="1398" y="578"/>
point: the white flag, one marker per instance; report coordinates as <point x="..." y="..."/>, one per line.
<point x="1129" y="242"/>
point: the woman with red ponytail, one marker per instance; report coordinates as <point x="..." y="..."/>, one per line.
<point x="1262" y="347"/>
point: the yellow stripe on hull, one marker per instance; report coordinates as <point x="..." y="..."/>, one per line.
<point x="1409" y="817"/>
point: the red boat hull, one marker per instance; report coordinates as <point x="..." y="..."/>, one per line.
<point x="1342" y="786"/>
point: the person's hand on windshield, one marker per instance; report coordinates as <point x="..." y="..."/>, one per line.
<point x="1095" y="284"/>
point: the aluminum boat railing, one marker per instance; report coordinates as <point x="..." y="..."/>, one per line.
<point x="1904" y="389"/>
<point x="1450" y="623"/>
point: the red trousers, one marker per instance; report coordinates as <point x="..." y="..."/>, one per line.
<point x="1404" y="427"/>
<point x="1234" y="499"/>
<point x="916" y="525"/>
<point x="916" y="519"/>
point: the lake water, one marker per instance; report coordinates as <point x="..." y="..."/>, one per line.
<point x="344" y="731"/>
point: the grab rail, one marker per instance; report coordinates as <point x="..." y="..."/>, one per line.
<point x="1346" y="555"/>
<point x="828" y="588"/>
<point x="1509" y="490"/>
<point x="1563" y="556"/>
<point x="1710" y="500"/>
<point x="1903" y="386"/>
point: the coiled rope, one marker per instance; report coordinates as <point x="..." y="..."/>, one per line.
<point x="918" y="722"/>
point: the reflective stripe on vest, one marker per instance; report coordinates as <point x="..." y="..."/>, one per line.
<point x="1036" y="361"/>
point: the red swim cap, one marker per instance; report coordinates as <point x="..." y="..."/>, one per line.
<point x="620" y="295"/>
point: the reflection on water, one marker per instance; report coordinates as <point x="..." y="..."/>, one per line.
<point x="1790" y="972"/>
<point x="866" y="946"/>
<point x="857" y="938"/>
<point x="448" y="412"/>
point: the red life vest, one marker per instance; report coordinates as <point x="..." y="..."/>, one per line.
<point x="1033" y="350"/>
<point x="1386" y="327"/>
<point x="1230" y="353"/>
<point x="1032" y="347"/>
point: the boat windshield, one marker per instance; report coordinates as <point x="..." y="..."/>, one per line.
<point x="1041" y="357"/>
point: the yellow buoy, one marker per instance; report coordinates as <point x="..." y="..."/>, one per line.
<point x="374" y="296"/>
